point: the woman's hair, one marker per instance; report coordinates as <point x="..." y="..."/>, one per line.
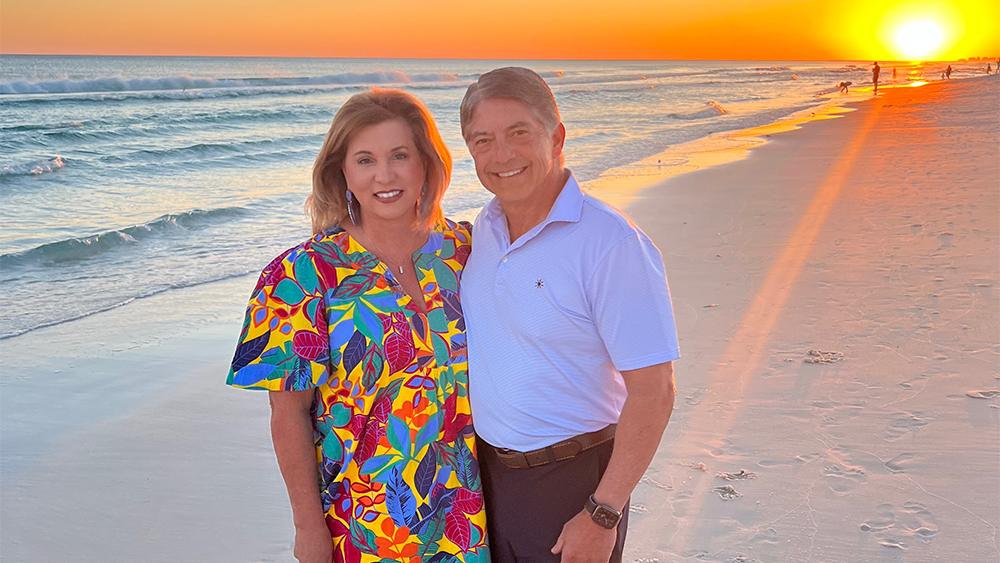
<point x="327" y="205"/>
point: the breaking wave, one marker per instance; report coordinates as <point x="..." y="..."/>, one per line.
<point x="33" y="168"/>
<point x="712" y="110"/>
<point x="83" y="248"/>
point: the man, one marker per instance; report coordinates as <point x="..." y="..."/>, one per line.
<point x="875" y="72"/>
<point x="571" y="333"/>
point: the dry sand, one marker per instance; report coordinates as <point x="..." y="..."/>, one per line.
<point x="874" y="235"/>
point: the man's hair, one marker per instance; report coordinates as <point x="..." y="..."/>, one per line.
<point x="515" y="83"/>
<point x="327" y="206"/>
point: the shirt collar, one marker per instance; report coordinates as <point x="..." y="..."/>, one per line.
<point x="567" y="208"/>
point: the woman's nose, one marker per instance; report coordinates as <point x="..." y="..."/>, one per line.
<point x="383" y="172"/>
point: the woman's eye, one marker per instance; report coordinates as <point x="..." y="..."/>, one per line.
<point x="400" y="156"/>
<point x="364" y="161"/>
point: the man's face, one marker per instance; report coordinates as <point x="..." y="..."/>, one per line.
<point x="514" y="153"/>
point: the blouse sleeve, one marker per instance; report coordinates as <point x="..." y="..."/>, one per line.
<point x="283" y="346"/>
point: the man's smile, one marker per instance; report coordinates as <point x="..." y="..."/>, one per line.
<point x="511" y="173"/>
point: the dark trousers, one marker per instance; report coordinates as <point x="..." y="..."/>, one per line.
<point x="526" y="508"/>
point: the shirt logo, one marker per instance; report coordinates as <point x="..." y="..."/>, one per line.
<point x="539" y="284"/>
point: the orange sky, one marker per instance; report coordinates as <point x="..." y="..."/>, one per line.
<point x="512" y="29"/>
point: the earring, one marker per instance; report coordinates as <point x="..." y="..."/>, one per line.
<point x="418" y="205"/>
<point x="350" y="207"/>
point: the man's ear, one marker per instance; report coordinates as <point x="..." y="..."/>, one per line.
<point x="558" y="140"/>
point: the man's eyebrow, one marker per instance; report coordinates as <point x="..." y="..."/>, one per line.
<point x="516" y="125"/>
<point x="475" y="134"/>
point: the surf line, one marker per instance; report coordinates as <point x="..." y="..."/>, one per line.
<point x="748" y="343"/>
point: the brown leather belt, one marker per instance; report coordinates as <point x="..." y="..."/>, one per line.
<point x="556" y="452"/>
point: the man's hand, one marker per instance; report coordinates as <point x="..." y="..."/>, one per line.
<point x="583" y="541"/>
<point x="313" y="545"/>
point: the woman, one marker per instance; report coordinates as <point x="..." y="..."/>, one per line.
<point x="359" y="337"/>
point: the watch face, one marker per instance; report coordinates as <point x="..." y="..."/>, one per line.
<point x="605" y="517"/>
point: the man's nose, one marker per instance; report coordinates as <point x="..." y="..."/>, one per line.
<point x="505" y="150"/>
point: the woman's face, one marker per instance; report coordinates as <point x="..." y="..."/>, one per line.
<point x="384" y="171"/>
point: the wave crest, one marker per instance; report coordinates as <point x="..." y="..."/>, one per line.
<point x="83" y="248"/>
<point x="712" y="110"/>
<point x="33" y="168"/>
<point x="122" y="84"/>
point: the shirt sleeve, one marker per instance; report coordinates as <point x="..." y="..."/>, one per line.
<point x="282" y="345"/>
<point x="631" y="305"/>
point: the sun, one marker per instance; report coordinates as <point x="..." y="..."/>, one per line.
<point x="916" y="40"/>
<point x="920" y="30"/>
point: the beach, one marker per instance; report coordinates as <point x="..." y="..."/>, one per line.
<point x="872" y="237"/>
<point x="869" y="238"/>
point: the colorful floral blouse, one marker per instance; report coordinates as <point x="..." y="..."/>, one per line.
<point x="394" y="442"/>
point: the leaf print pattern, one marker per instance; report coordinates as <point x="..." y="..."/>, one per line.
<point x="394" y="439"/>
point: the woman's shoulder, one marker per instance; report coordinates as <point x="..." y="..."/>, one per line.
<point x="300" y="261"/>
<point x="460" y="230"/>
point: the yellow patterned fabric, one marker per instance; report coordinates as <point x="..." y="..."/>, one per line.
<point x="394" y="440"/>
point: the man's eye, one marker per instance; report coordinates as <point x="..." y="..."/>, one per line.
<point x="480" y="142"/>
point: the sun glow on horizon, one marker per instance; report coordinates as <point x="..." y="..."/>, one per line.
<point x="921" y="30"/>
<point x="918" y="39"/>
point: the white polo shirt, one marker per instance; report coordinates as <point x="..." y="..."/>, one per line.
<point x="553" y="318"/>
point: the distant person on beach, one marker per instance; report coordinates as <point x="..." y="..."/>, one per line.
<point x="893" y="73"/>
<point x="875" y="72"/>
<point x="989" y="68"/>
<point x="358" y="336"/>
<point x="845" y="87"/>
<point x="947" y="72"/>
<point x="571" y="337"/>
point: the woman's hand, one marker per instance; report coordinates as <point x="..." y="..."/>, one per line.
<point x="292" y="435"/>
<point x="313" y="545"/>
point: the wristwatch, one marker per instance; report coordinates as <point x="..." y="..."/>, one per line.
<point x="602" y="514"/>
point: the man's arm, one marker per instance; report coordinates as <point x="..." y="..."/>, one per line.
<point x="644" y="417"/>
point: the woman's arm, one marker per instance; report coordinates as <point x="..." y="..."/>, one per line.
<point x="292" y="436"/>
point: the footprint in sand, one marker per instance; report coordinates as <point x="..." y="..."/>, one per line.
<point x="913" y="520"/>
<point x="727" y="492"/>
<point x="919" y="521"/>
<point x="769" y="535"/>
<point x="797" y="460"/>
<point x="916" y="380"/>
<point x="883" y="520"/>
<point x="842" y="479"/>
<point x="904" y="424"/>
<point x="898" y="464"/>
<point x="694" y="398"/>
<point x="983" y="394"/>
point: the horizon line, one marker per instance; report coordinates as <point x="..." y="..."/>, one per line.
<point x="989" y="57"/>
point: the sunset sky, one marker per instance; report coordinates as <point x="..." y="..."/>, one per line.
<point x="507" y="29"/>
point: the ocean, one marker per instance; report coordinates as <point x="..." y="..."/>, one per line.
<point x="126" y="177"/>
